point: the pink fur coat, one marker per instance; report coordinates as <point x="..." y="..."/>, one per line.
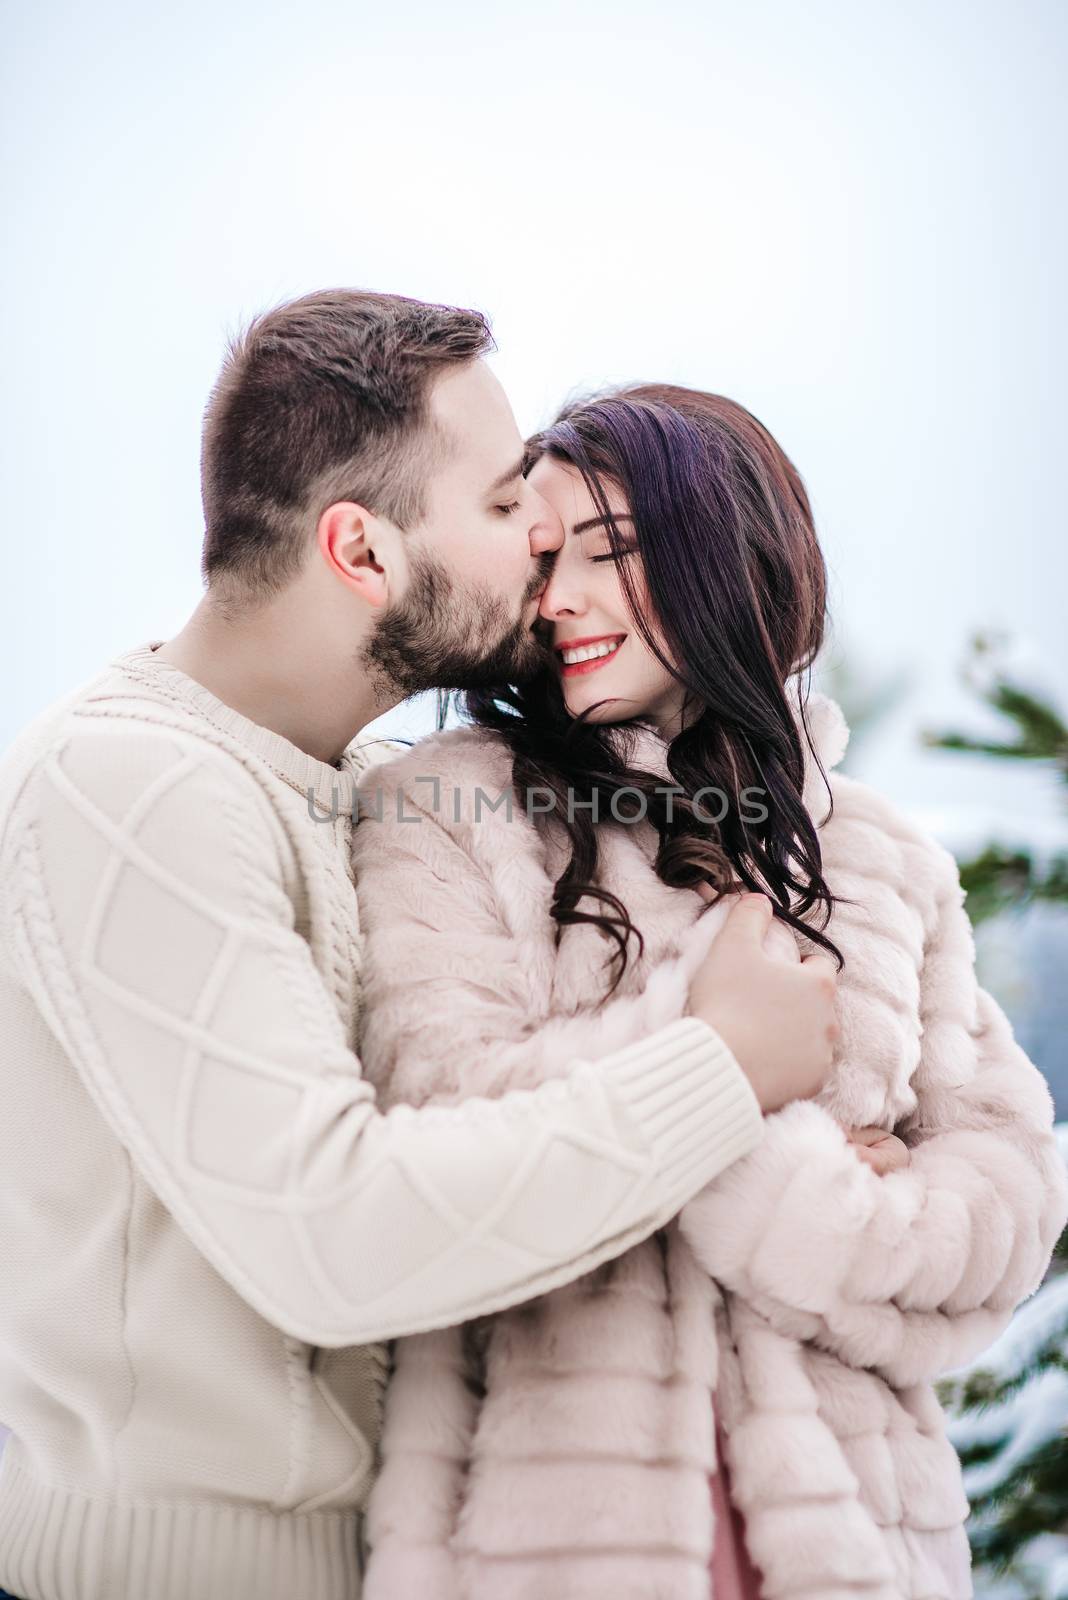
<point x="561" y="1450"/>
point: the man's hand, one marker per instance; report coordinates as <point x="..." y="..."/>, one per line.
<point x="883" y="1151"/>
<point x="774" y="1011"/>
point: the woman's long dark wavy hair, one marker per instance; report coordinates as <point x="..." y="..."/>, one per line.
<point x="736" y="588"/>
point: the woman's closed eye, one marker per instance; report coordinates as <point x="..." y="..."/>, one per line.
<point x="629" y="550"/>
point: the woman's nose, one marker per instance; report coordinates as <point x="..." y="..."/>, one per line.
<point x="562" y="595"/>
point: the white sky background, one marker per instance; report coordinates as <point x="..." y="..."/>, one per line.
<point x="847" y="215"/>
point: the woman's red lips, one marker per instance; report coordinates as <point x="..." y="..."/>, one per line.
<point x="597" y="638"/>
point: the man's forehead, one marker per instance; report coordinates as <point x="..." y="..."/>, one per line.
<point x="469" y="391"/>
<point x="476" y="423"/>
<point x="491" y="462"/>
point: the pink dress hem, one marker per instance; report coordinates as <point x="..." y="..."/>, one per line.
<point x="733" y="1575"/>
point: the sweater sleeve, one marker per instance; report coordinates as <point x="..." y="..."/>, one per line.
<point x="915" y="1272"/>
<point x="149" y="902"/>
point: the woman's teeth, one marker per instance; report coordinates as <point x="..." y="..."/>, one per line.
<point x="590" y="652"/>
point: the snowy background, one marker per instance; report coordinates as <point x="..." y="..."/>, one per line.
<point x="844" y="214"/>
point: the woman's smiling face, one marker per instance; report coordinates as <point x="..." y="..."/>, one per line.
<point x="600" y="654"/>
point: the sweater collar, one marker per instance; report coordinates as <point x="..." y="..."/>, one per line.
<point x="330" y="785"/>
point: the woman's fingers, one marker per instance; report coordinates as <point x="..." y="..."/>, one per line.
<point x="883" y="1151"/>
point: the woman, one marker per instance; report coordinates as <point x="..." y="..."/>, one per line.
<point x="778" y="1340"/>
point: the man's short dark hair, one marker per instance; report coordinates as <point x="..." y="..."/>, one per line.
<point x="322" y="399"/>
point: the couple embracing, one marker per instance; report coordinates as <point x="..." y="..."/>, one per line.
<point x="560" y="1169"/>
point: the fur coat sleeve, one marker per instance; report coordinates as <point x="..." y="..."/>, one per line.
<point x="915" y="1272"/>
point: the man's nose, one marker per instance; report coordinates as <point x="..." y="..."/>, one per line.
<point x="547" y="531"/>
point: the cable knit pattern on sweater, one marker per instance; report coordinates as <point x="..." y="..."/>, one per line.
<point x="563" y="1447"/>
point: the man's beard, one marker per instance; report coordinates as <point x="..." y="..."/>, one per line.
<point x="448" y="635"/>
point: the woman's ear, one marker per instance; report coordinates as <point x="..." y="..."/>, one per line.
<point x="357" y="548"/>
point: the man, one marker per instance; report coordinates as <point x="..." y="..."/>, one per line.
<point x="210" y="1230"/>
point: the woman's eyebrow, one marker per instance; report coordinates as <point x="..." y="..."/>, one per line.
<point x="599" y="522"/>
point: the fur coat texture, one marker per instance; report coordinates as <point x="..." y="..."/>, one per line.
<point x="561" y="1449"/>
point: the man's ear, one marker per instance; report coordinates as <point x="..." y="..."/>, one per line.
<point x="355" y="544"/>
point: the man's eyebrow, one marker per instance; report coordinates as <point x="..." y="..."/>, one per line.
<point x="507" y="477"/>
<point x="599" y="522"/>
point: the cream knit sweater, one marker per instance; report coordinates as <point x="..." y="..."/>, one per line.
<point x="209" y="1230"/>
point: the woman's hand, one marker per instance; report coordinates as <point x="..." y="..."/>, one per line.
<point x="774" y="1012"/>
<point x="883" y="1151"/>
